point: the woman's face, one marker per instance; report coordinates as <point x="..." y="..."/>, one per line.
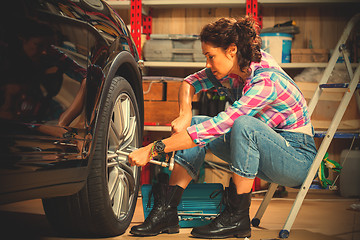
<point x="221" y="62"/>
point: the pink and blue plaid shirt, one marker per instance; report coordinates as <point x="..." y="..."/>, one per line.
<point x="267" y="96"/>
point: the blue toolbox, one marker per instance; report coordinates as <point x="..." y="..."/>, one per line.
<point x="196" y="207"/>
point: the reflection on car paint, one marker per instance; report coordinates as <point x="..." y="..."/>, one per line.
<point x="56" y="92"/>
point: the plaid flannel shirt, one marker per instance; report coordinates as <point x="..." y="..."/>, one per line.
<point x="267" y="96"/>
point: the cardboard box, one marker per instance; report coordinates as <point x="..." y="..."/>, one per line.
<point x="309" y="55"/>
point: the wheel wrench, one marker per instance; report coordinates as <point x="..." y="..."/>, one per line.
<point x="169" y="164"/>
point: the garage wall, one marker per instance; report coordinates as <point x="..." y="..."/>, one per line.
<point x="321" y="23"/>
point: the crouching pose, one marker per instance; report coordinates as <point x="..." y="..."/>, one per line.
<point x="265" y="133"/>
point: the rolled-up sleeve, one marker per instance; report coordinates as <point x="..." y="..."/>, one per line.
<point x="199" y="81"/>
<point x="257" y="94"/>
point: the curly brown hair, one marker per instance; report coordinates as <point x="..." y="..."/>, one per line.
<point x="241" y="32"/>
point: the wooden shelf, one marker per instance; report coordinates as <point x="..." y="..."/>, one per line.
<point x="305" y="1"/>
<point x="216" y="3"/>
<point x="158" y="128"/>
<point x="179" y="3"/>
<point x="310" y="65"/>
<point x="174" y="64"/>
<point x="202" y="65"/>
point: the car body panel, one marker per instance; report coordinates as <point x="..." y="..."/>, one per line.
<point x="47" y="124"/>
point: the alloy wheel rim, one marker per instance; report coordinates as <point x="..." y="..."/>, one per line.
<point x="122" y="139"/>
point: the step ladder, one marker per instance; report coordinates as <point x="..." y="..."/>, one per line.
<point x="328" y="136"/>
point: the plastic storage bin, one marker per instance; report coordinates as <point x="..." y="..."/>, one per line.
<point x="175" y="48"/>
<point x="278" y="45"/>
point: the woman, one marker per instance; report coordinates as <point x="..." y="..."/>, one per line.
<point x="266" y="133"/>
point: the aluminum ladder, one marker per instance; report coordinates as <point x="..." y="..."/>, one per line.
<point x="351" y="87"/>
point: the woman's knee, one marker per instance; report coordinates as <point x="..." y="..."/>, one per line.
<point x="247" y="127"/>
<point x="244" y="122"/>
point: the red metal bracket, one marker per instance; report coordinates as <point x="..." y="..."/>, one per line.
<point x="252" y="10"/>
<point x="147" y="26"/>
<point x="135" y="22"/>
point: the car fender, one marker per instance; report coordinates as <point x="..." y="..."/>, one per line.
<point x="123" y="65"/>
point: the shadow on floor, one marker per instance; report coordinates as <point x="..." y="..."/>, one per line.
<point x="15" y="225"/>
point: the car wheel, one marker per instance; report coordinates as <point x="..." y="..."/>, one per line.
<point x="105" y="206"/>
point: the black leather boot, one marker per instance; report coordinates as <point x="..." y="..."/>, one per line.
<point x="233" y="221"/>
<point x="163" y="217"/>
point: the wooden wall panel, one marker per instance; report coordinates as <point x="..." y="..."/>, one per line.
<point x="330" y="27"/>
<point x="178" y="19"/>
<point x="268" y="17"/>
<point x="237" y="12"/>
<point x="222" y="12"/>
<point x="181" y="20"/>
<point x="323" y="23"/>
<point x="312" y="28"/>
<point x="192" y="24"/>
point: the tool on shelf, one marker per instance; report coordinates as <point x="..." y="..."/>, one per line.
<point x="285" y="27"/>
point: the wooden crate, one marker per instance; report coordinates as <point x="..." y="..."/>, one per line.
<point x="160" y="112"/>
<point x="153" y="91"/>
<point x="161" y="105"/>
<point x="309" y="55"/>
<point x="160" y="102"/>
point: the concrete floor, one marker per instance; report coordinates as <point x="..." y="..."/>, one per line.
<point x="323" y="216"/>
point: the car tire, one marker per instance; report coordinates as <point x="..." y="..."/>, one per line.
<point x="106" y="204"/>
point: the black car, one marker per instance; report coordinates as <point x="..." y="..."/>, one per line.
<point x="71" y="109"/>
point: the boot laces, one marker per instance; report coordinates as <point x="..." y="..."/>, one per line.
<point x="224" y="198"/>
<point x="226" y="213"/>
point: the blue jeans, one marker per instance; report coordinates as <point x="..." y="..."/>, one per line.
<point x="253" y="149"/>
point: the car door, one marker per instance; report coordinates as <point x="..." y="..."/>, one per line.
<point x="44" y="132"/>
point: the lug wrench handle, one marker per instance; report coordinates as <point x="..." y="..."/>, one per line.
<point x="169" y="164"/>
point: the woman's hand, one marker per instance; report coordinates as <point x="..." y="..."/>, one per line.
<point x="181" y="123"/>
<point x="141" y="156"/>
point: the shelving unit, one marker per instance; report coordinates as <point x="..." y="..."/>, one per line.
<point x="191" y="15"/>
<point x="216" y="4"/>
<point x="157" y="128"/>
<point x="125" y="4"/>
<point x="177" y="3"/>
<point x="202" y="64"/>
